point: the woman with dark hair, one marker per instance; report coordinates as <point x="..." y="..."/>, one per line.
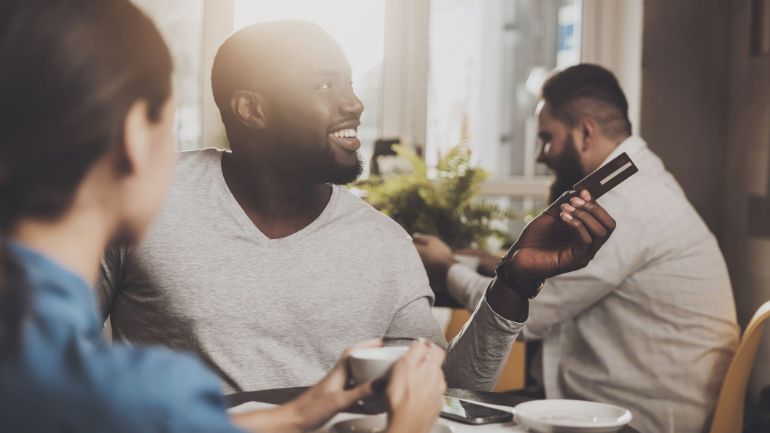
<point x="86" y="155"/>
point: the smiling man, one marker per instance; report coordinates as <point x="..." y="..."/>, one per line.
<point x="263" y="264"/>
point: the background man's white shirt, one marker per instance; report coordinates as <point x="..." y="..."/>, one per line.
<point x="650" y="323"/>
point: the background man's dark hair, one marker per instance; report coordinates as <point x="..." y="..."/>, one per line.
<point x="588" y="90"/>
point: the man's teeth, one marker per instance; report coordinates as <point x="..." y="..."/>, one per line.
<point x="345" y="133"/>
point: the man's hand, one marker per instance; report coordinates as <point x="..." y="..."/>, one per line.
<point x="548" y="247"/>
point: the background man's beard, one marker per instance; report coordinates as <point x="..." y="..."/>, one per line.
<point x="567" y="169"/>
<point x="558" y="187"/>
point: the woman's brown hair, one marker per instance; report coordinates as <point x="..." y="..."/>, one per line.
<point x="69" y="72"/>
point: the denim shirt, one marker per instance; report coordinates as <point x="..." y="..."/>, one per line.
<point x="66" y="378"/>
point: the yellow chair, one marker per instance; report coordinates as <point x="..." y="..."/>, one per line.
<point x="513" y="375"/>
<point x="728" y="412"/>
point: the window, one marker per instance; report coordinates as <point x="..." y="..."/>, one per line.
<point x="181" y="23"/>
<point x="487" y="62"/>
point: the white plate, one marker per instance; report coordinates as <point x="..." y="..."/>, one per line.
<point x="376" y="424"/>
<point x="571" y="416"/>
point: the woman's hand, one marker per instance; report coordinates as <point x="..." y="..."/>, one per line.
<point x="328" y="397"/>
<point x="315" y="406"/>
<point x="416" y="388"/>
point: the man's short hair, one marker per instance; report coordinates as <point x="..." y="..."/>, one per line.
<point x="588" y="90"/>
<point x="254" y="55"/>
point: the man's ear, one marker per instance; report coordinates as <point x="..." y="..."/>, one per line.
<point x="589" y="134"/>
<point x="249" y="109"/>
<point x="137" y="145"/>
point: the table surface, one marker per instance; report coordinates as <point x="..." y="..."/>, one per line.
<point x="283" y="395"/>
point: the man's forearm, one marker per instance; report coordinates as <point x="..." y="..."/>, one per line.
<point x="476" y="357"/>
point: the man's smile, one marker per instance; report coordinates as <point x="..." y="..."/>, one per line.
<point x="346" y="137"/>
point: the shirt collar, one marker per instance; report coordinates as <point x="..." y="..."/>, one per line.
<point x="632" y="145"/>
<point x="40" y="269"/>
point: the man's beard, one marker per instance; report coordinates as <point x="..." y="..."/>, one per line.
<point x="567" y="170"/>
<point x="312" y="163"/>
<point x="331" y="171"/>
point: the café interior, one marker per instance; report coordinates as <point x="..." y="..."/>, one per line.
<point x="453" y="139"/>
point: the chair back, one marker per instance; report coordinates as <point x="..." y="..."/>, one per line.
<point x="728" y="412"/>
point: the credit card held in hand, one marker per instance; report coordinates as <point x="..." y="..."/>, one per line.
<point x="599" y="182"/>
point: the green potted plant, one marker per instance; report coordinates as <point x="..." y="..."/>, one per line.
<point x="444" y="204"/>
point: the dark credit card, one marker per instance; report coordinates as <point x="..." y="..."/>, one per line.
<point x="599" y="182"/>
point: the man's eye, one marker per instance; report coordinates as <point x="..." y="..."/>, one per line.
<point x="350" y="85"/>
<point x="325" y="85"/>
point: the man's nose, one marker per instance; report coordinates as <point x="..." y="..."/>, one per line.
<point x="352" y="105"/>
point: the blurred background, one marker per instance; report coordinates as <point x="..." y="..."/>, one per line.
<point x="435" y="74"/>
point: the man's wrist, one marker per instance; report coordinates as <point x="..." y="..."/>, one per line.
<point x="506" y="302"/>
<point x="526" y="287"/>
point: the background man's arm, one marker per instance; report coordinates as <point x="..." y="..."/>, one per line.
<point x="466" y="286"/>
<point x="562" y="297"/>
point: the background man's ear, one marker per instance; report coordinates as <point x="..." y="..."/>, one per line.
<point x="249" y="109"/>
<point x="590" y="131"/>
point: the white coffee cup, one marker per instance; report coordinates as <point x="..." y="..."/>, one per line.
<point x="372" y="363"/>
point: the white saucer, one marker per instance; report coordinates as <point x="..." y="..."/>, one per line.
<point x="571" y="416"/>
<point x="376" y="424"/>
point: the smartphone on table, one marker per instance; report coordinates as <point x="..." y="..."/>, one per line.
<point x="468" y="412"/>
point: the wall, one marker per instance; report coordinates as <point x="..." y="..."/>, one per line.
<point x="217" y="26"/>
<point x="706" y="112"/>
<point x="181" y="23"/>
<point x="405" y="71"/>
<point x="611" y="35"/>
<point x="747" y="220"/>
<point x="684" y="91"/>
